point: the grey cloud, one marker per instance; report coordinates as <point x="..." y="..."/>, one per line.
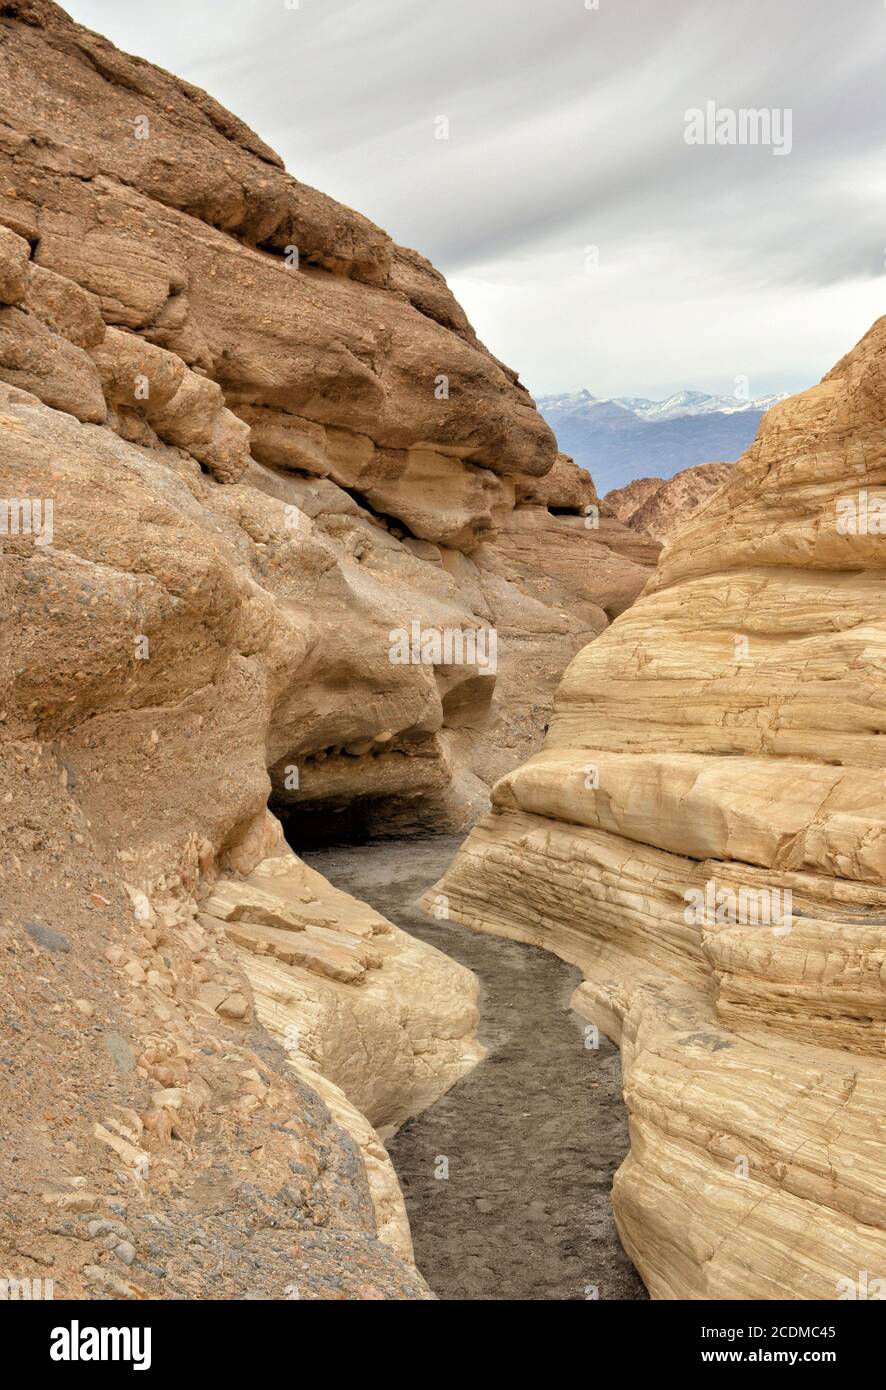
<point x="567" y="129"/>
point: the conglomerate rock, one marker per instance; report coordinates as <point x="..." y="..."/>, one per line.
<point x="704" y="833"/>
<point x="273" y="523"/>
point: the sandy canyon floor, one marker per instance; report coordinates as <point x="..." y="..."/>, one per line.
<point x="532" y="1136"/>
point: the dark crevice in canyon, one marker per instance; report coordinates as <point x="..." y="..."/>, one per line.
<point x="532" y="1136"/>
<point x="315" y="825"/>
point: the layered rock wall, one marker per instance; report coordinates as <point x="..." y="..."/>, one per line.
<point x="704" y="835"/>
<point x="246" y="443"/>
<point x="184" y="290"/>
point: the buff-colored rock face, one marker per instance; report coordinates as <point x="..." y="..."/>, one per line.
<point x="146" y="382"/>
<point x="142" y="881"/>
<point x="659" y="508"/>
<point x="704" y="834"/>
<point x="268" y="530"/>
<point x="378" y="1022"/>
<point x="164" y="274"/>
<point x="266" y="500"/>
<point x="384" y="1016"/>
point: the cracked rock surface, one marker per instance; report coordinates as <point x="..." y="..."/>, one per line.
<point x="228" y="480"/>
<point x="728" y="730"/>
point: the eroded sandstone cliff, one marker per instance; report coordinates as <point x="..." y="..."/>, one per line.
<point x="704" y="833"/>
<point x="246" y="444"/>
<point x="659" y="507"/>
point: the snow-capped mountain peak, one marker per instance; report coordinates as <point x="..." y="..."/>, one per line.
<point x="679" y="403"/>
<point x="698" y="403"/>
<point x="627" y="437"/>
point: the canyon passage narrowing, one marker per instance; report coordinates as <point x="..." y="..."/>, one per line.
<point x="507" y="1177"/>
<point x="728" y="730"/>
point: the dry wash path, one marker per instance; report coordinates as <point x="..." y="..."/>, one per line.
<point x="532" y="1136"/>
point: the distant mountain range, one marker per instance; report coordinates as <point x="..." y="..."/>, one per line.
<point x="627" y="437"/>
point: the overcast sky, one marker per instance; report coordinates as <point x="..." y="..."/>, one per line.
<point x="567" y="132"/>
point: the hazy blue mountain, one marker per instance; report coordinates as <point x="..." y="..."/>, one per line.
<point x="631" y="437"/>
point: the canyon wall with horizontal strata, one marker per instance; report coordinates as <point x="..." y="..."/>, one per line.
<point x="245" y="441"/>
<point x="704" y="833"/>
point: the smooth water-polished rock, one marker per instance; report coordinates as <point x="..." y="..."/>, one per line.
<point x="381" y="1023"/>
<point x="715" y="758"/>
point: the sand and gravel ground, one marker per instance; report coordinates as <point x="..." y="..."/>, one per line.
<point x="532" y="1136"/>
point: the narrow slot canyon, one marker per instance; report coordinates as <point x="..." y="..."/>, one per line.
<point x="531" y="1136"/>
<point x="358" y="746"/>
